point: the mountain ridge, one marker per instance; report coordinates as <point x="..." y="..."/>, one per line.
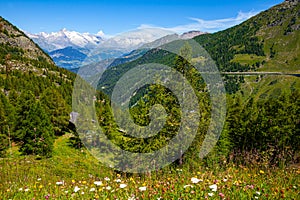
<point x="97" y="48"/>
<point x="254" y="45"/>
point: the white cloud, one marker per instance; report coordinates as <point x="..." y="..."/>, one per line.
<point x="208" y="25"/>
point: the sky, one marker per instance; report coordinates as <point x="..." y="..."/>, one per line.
<point x="116" y="16"/>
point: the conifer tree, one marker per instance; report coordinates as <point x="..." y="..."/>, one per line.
<point x="57" y="109"/>
<point x="25" y="101"/>
<point x="3" y="131"/>
<point x="38" y="135"/>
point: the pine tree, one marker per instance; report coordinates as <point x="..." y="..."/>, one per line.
<point x="3" y="131"/>
<point x="25" y="101"/>
<point x="57" y="109"/>
<point x="38" y="135"/>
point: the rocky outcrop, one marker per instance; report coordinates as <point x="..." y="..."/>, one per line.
<point x="13" y="37"/>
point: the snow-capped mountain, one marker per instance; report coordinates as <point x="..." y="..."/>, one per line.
<point x="64" y="38"/>
<point x="134" y="39"/>
<point x="127" y="40"/>
<point x="93" y="48"/>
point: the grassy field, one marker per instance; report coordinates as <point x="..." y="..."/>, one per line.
<point x="75" y="174"/>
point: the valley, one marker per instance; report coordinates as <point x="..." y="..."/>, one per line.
<point x="76" y="124"/>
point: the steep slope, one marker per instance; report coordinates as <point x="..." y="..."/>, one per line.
<point x="11" y="37"/>
<point x="35" y="94"/>
<point x="18" y="53"/>
<point x="268" y="42"/>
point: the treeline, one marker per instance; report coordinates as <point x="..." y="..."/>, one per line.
<point x="263" y="130"/>
<point x="35" y="102"/>
<point x="31" y="122"/>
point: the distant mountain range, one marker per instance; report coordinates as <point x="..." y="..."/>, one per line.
<point x="71" y="49"/>
<point x="267" y="42"/>
<point x="64" y="38"/>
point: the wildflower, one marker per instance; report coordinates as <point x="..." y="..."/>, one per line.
<point x="261" y="172"/>
<point x="107" y="179"/>
<point x="82" y="192"/>
<point x="8" y="190"/>
<point x="59" y="183"/>
<point x="73" y="181"/>
<point x="132" y="198"/>
<point x="210" y="194"/>
<point x="257" y="192"/>
<point x="39" y="179"/>
<point x="213" y="187"/>
<point x="180" y="170"/>
<point x="221" y="195"/>
<point x="92" y="189"/>
<point x="144" y="188"/>
<point x="118" y="180"/>
<point x="108" y="188"/>
<point x="66" y="191"/>
<point x="41" y="186"/>
<point x="225" y="179"/>
<point x="83" y="182"/>
<point x="250" y="186"/>
<point x="76" y="189"/>
<point x="123" y="185"/>
<point x="98" y="183"/>
<point x="236" y="183"/>
<point x="131" y="179"/>
<point x="26" y="190"/>
<point x="196" y="180"/>
<point x="188" y="186"/>
<point x="20" y="189"/>
<point x="256" y="197"/>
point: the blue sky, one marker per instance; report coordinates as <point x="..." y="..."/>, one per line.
<point x="116" y="16"/>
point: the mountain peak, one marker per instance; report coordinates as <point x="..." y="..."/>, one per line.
<point x="191" y="34"/>
<point x="65" y="38"/>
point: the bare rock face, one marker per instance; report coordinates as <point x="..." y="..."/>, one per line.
<point x="292" y="2"/>
<point x="13" y="37"/>
<point x="191" y="34"/>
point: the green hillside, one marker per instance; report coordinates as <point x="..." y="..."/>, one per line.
<point x="35" y="95"/>
<point x="267" y="42"/>
<point x="255" y="157"/>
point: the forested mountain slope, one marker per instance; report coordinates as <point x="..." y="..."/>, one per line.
<point x="267" y="42"/>
<point x="35" y="95"/>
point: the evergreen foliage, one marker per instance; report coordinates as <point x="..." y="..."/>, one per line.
<point x="37" y="132"/>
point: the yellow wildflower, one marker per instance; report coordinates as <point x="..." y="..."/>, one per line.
<point x="261" y="171"/>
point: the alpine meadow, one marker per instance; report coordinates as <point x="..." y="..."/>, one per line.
<point x="53" y="145"/>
